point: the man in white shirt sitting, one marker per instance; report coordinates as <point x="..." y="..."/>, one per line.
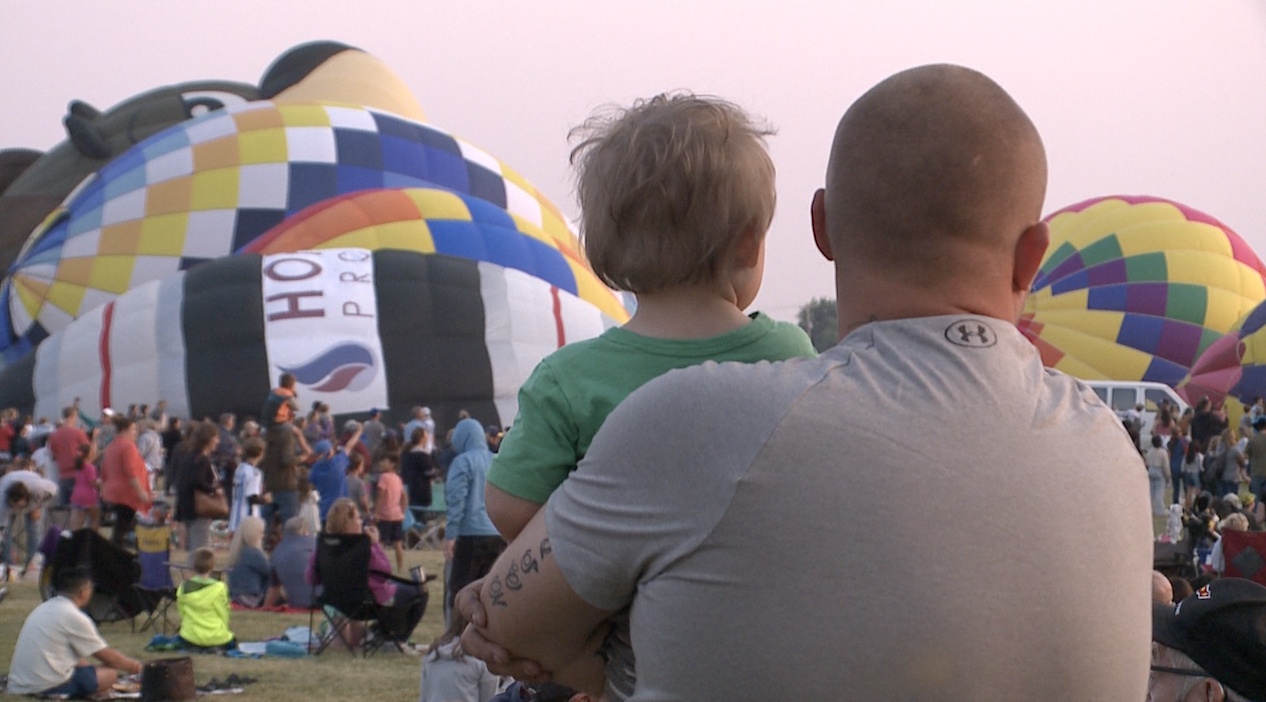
<point x="50" y="657"/>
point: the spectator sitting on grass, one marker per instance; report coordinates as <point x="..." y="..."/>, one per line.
<point x="289" y="561"/>
<point x="203" y="602"/>
<point x="248" y="579"/>
<point x="56" y="638"/>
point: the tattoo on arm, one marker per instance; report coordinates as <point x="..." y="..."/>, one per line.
<point x="546" y="549"/>
<point x="512" y="577"/>
<point x="496" y="594"/>
<point x="528" y="562"/>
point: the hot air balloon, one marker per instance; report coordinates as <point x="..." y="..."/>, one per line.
<point x="359" y="329"/>
<point x="1136" y="288"/>
<point x="434" y="220"/>
<point x="1233" y="365"/>
<point x="208" y="187"/>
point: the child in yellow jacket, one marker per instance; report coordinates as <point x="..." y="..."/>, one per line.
<point x="203" y="602"/>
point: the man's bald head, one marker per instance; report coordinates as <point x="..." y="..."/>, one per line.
<point x="934" y="170"/>
<point x="1162" y="589"/>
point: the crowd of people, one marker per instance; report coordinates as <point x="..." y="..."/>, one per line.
<point x="882" y="521"/>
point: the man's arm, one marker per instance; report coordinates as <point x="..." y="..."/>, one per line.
<point x="534" y="614"/>
<point x="351" y="441"/>
<point x="118" y="661"/>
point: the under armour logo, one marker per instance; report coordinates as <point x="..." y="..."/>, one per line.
<point x="971" y="333"/>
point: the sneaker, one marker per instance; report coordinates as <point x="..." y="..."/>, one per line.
<point x="4" y="592"/>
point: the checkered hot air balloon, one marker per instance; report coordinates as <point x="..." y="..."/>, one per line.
<point x="209" y="187"/>
<point x="1137" y="288"/>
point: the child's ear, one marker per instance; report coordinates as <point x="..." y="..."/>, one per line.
<point x="749" y="247"/>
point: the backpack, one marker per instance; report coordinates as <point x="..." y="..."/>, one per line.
<point x="268" y="415"/>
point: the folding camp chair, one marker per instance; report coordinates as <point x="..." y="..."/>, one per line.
<point x="427" y="530"/>
<point x="115" y="574"/>
<point x="342" y="567"/>
<point x="1245" y="553"/>
<point x="156" y="587"/>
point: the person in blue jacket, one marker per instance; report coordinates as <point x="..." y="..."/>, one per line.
<point x="472" y="542"/>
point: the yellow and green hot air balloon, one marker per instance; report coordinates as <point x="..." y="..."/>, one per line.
<point x="1137" y="287"/>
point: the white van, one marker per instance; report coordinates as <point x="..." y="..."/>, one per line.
<point x="1123" y="395"/>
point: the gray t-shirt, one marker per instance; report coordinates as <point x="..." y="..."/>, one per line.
<point x="356" y="491"/>
<point x="781" y="533"/>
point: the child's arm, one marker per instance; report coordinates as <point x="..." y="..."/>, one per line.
<point x="535" y="456"/>
<point x="508" y="513"/>
<point x="404" y="502"/>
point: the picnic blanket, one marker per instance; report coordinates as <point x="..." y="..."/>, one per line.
<point x="293" y="643"/>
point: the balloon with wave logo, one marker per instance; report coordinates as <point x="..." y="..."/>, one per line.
<point x="359" y="329"/>
<point x="1137" y="288"/>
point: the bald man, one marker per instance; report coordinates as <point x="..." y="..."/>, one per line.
<point x="1162" y="588"/>
<point x="785" y="536"/>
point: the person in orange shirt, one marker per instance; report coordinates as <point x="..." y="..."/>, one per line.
<point x="390" y="503"/>
<point x="124" y="479"/>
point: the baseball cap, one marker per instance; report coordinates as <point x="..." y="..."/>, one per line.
<point x="321" y="447"/>
<point x="1222" y="627"/>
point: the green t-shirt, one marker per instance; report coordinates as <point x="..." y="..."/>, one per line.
<point x="571" y="392"/>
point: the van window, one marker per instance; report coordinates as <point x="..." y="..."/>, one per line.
<point x="1153" y="397"/>
<point x="1124" y="399"/>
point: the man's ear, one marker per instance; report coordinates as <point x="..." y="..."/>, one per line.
<point x="1029" y="251"/>
<point x="817" y="216"/>
<point x="1209" y="690"/>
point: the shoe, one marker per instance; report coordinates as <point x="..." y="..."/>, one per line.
<point x="4" y="592"/>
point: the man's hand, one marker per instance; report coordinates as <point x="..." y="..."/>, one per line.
<point x="476" y="644"/>
<point x="35" y="514"/>
<point x="450" y="546"/>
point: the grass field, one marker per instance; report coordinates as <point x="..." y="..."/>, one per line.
<point x="335" y="674"/>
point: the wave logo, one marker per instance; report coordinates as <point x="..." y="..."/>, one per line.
<point x="347" y="366"/>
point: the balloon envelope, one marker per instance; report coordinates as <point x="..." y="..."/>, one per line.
<point x="359" y="329"/>
<point x="1136" y="288"/>
<point x="434" y="220"/>
<point x="208" y="187"/>
<point x="1234" y="365"/>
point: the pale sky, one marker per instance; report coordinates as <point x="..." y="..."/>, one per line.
<point x="1143" y="97"/>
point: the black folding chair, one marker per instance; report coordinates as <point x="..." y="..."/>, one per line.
<point x="115" y="574"/>
<point x="342" y="568"/>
